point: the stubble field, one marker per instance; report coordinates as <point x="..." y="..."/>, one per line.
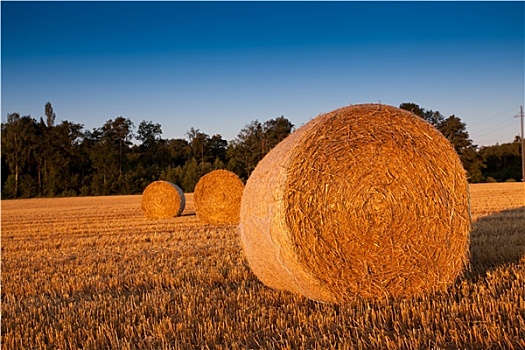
<point x="94" y="273"/>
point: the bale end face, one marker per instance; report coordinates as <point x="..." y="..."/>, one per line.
<point x="367" y="201"/>
<point x="162" y="199"/>
<point x="217" y="198"/>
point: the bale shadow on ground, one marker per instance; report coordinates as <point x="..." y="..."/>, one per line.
<point x="496" y="240"/>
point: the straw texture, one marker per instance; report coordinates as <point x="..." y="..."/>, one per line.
<point x="162" y="199"/>
<point x="217" y="197"/>
<point x="367" y="201"/>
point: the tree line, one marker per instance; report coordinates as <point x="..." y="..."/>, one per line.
<point x="40" y="158"/>
<point x="45" y="159"/>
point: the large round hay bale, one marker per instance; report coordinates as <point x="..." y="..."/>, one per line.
<point x="162" y="199"/>
<point x="367" y="201"/>
<point x="217" y="197"/>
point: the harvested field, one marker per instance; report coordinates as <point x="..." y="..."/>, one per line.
<point x="94" y="273"/>
<point x="489" y="198"/>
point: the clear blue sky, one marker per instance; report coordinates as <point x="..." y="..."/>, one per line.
<point x="218" y="66"/>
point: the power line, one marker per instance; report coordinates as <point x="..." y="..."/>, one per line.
<point x="481" y="132"/>
<point x="483" y="128"/>
<point x="495" y="116"/>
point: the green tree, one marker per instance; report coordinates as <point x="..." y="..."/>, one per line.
<point x="216" y="147"/>
<point x="274" y="131"/>
<point x="433" y="117"/>
<point x="203" y="148"/>
<point x="86" y="168"/>
<point x="191" y="175"/>
<point x="173" y="175"/>
<point x="18" y="139"/>
<point x="502" y="161"/>
<point x="253" y="142"/>
<point x="179" y="150"/>
<point x="105" y="163"/>
<point x="50" y="115"/>
<point x="122" y="129"/>
<point x="456" y="132"/>
<point x="61" y="159"/>
<point x="153" y="152"/>
<point x="4" y="172"/>
<point x="109" y="156"/>
<point x="414" y="108"/>
<point x="42" y="145"/>
<point x="198" y="142"/>
<point x="246" y="150"/>
<point x="104" y="156"/>
<point x="149" y="133"/>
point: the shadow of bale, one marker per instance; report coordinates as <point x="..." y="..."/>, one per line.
<point x="497" y="240"/>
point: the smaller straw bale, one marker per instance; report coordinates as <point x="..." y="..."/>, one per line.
<point x="162" y="199"/>
<point x="217" y="198"/>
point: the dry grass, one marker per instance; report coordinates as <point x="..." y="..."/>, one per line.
<point x="93" y="273"/>
<point x="487" y="199"/>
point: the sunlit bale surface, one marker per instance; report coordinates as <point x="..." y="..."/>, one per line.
<point x="162" y="199"/>
<point x="367" y="201"/>
<point x="217" y="197"/>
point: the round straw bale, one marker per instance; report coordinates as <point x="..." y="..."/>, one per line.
<point x="365" y="202"/>
<point x="217" y="197"/>
<point x="162" y="199"/>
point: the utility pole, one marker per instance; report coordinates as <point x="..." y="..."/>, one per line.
<point x="522" y="146"/>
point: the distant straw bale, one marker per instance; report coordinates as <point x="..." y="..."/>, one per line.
<point x="367" y="201"/>
<point x="162" y="199"/>
<point x="217" y="197"/>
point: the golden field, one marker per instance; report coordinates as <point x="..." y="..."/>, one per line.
<point x="94" y="273"/>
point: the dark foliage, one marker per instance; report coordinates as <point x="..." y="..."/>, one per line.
<point x="45" y="159"/>
<point x="502" y="162"/>
<point x="48" y="159"/>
